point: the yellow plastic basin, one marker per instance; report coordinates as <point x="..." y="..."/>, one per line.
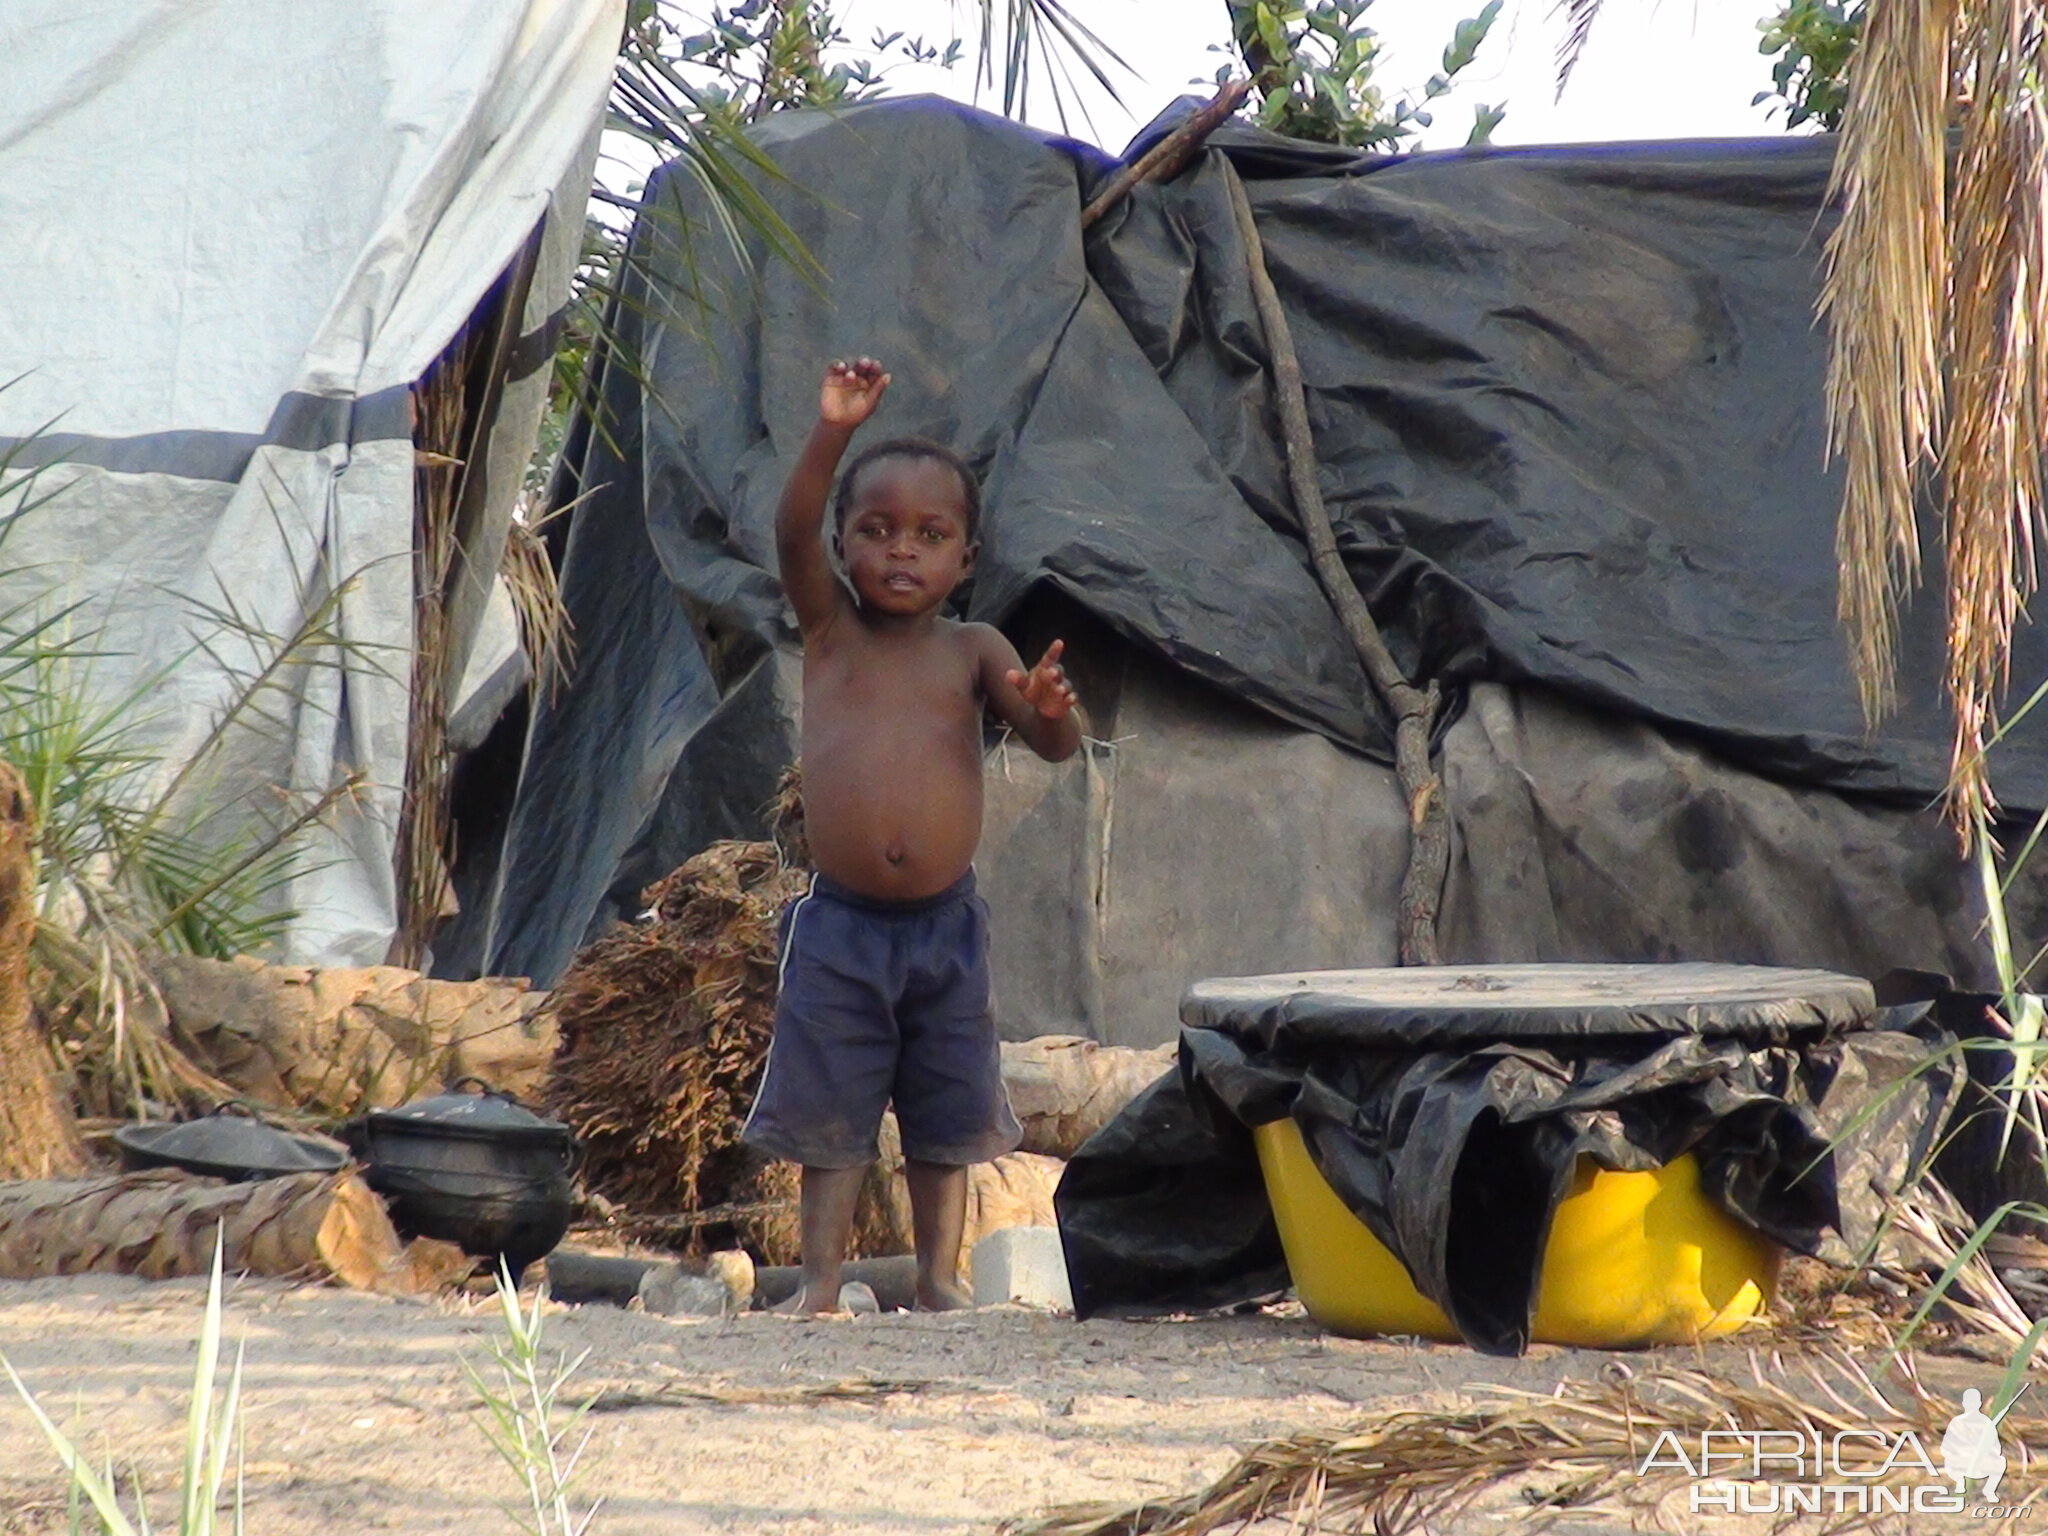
<point x="1633" y="1258"/>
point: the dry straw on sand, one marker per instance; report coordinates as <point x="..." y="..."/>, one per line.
<point x="1550" y="1455"/>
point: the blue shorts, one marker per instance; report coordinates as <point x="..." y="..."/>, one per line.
<point x="883" y="1002"/>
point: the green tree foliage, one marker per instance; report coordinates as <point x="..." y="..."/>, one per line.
<point x="765" y="56"/>
<point x="1313" y="69"/>
<point x="1813" y="41"/>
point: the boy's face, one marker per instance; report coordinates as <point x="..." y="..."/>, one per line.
<point x="904" y="542"/>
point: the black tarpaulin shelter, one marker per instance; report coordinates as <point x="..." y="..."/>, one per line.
<point x="1568" y="417"/>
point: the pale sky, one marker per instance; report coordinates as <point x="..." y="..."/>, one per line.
<point x="1655" y="69"/>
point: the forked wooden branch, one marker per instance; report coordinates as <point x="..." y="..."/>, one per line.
<point x="1165" y="159"/>
<point x="1414" y="709"/>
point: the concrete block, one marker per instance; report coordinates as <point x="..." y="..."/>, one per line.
<point x="1022" y="1264"/>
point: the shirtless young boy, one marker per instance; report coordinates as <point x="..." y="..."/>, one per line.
<point x="884" y="982"/>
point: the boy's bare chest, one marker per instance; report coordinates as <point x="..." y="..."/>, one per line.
<point x="934" y="683"/>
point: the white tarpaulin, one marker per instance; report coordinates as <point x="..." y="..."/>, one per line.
<point x="233" y="233"/>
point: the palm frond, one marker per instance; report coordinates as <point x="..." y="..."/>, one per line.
<point x="1579" y="18"/>
<point x="23" y="461"/>
<point x="721" y="184"/>
<point x="225" y="900"/>
<point x="546" y="631"/>
<point x="1998" y="376"/>
<point x="1936" y="299"/>
<point x="656" y="103"/>
<point x="1936" y="296"/>
<point x="1883" y="299"/>
<point x="1039" y="38"/>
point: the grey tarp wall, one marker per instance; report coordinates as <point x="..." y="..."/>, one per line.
<point x="1568" y="416"/>
<point x="234" y="234"/>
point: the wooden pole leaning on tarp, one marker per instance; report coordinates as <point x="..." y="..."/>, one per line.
<point x="1165" y="159"/>
<point x="1414" y="709"/>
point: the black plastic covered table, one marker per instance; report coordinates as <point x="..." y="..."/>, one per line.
<point x="1446" y="1006"/>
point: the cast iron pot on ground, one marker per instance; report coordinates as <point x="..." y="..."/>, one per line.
<point x="231" y="1143"/>
<point x="477" y="1169"/>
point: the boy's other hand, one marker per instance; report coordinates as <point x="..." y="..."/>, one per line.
<point x="1045" y="686"/>
<point x="852" y="391"/>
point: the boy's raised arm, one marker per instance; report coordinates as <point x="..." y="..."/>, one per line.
<point x="850" y="395"/>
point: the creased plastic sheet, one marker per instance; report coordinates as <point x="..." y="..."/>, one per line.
<point x="1455" y="1159"/>
<point x="1569" y="422"/>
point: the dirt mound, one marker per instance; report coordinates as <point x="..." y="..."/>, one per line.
<point x="663" y="1033"/>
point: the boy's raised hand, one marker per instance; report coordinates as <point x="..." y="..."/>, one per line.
<point x="852" y="391"/>
<point x="1045" y="686"/>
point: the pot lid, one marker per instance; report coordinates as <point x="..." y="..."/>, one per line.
<point x="490" y="1114"/>
<point x="229" y="1140"/>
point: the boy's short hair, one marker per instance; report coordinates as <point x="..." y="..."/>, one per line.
<point x="911" y="448"/>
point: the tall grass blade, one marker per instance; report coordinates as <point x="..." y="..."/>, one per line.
<point x="198" y="1516"/>
<point x="2015" y="1379"/>
<point x="99" y="1490"/>
<point x="230" y="1434"/>
<point x="526" y="1427"/>
<point x="2019" y="862"/>
<point x="2023" y="1011"/>
<point x="2011" y="721"/>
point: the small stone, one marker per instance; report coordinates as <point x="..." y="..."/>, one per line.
<point x="669" y="1290"/>
<point x="858" y="1298"/>
<point x="1022" y="1264"/>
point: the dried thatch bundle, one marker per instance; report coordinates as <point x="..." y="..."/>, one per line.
<point x="1581" y="1446"/>
<point x="664" y="1031"/>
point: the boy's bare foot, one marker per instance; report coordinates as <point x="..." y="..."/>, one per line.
<point x="853" y="1299"/>
<point x="937" y="1296"/>
<point x="807" y="1302"/>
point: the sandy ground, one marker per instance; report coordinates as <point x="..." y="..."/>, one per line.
<point x="359" y="1417"/>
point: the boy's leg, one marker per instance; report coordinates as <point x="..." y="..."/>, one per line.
<point x="938" y="1218"/>
<point x="830" y="1196"/>
<point x="830" y="1064"/>
<point x="949" y="1095"/>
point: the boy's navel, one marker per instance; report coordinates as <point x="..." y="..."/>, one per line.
<point x="894" y="852"/>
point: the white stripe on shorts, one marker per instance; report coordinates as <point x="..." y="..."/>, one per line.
<point x="781" y="968"/>
<point x="789" y="942"/>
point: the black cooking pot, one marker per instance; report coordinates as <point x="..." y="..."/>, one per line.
<point x="230" y="1143"/>
<point x="476" y="1169"/>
